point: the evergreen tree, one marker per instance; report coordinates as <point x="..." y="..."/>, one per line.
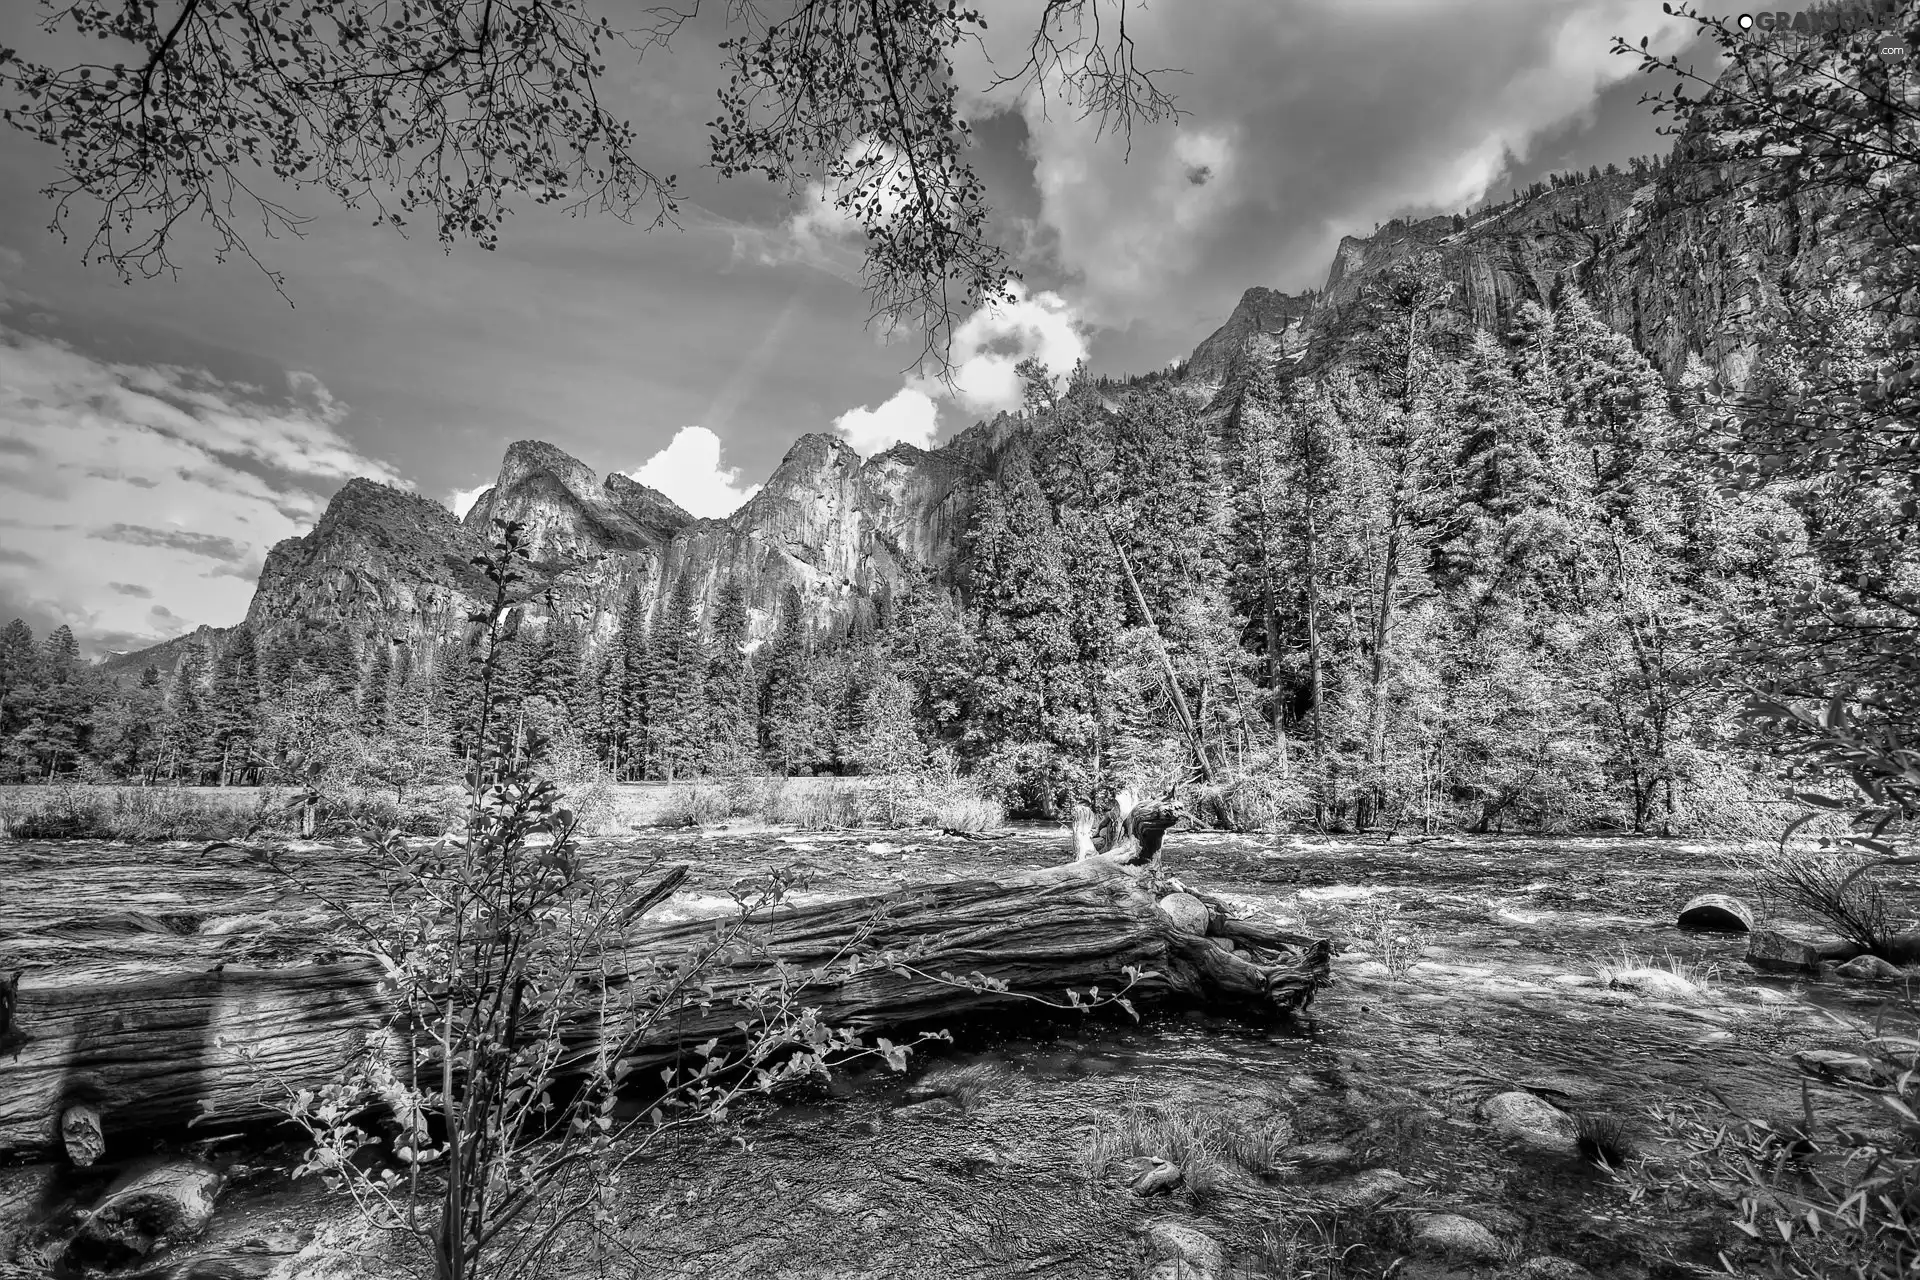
<point x="626" y="696"/>
<point x="375" y="693"/>
<point x="676" y="685"/>
<point x="789" y="733"/>
<point x="185" y="735"/>
<point x="729" y="736"/>
<point x="234" y="707"/>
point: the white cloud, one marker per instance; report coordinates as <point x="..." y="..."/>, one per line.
<point x="988" y="344"/>
<point x="689" y="471"/>
<point x="155" y="477"/>
<point x="461" y="501"/>
<point x="908" y="416"/>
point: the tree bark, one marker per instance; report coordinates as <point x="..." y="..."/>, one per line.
<point x="156" y="1054"/>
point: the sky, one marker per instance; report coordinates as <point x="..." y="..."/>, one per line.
<point x="158" y="437"/>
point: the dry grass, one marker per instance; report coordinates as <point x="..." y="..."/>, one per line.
<point x="1699" y="974"/>
<point x="834" y="804"/>
<point x="84" y="811"/>
<point x="1213" y="1147"/>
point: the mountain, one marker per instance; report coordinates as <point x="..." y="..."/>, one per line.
<point x="1676" y="257"/>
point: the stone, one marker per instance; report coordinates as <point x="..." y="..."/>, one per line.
<point x="1777" y="953"/>
<point x="1870" y="969"/>
<point x="1366" y="1189"/>
<point x="1315" y="1155"/>
<point x="1840" y="1064"/>
<point x="1185" y="913"/>
<point x="1661" y="984"/>
<point x="1547" y="1267"/>
<point x="1182" y="1250"/>
<point x="1530" y="1121"/>
<point x="1160" y="1178"/>
<point x="162" y="1205"/>
<point x="1455" y="1239"/>
<point x="1716" y="913"/>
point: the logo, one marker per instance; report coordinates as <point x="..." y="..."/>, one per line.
<point x="1888" y="46"/>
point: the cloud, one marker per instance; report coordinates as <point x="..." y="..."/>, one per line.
<point x="461" y="501"/>
<point x="183" y="480"/>
<point x="1305" y="122"/>
<point x="208" y="545"/>
<point x="688" y="470"/>
<point x="909" y="416"/>
<point x="988" y="345"/>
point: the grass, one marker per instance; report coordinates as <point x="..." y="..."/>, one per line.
<point x="834" y="804"/>
<point x="67" y="811"/>
<point x="1697" y="973"/>
<point x="1603" y="1138"/>
<point x="1817" y="883"/>
<point x="1213" y="1147"/>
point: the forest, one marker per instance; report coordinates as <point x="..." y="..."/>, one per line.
<point x="1425" y="576"/>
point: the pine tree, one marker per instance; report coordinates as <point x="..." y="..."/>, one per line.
<point x="186" y="736"/>
<point x="676" y="685"/>
<point x="626" y="699"/>
<point x="233" y="705"/>
<point x="375" y="694"/>
<point x="729" y="733"/>
<point x="789" y="728"/>
<point x="557" y="670"/>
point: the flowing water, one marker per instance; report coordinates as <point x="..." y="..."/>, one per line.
<point x="1468" y="968"/>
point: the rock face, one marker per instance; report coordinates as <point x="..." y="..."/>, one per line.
<point x="842" y="529"/>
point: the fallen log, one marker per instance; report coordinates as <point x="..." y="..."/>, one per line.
<point x="153" y="1055"/>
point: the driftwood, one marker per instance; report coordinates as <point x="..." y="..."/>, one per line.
<point x="157" y="1053"/>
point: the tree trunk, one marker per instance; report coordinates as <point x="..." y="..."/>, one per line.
<point x="153" y="1054"/>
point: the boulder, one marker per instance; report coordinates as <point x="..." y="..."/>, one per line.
<point x="1547" y="1267"/>
<point x="1530" y="1121"/>
<point x="1366" y="1189"/>
<point x="1716" y="913"/>
<point x="1870" y="969"/>
<point x="1160" y="1178"/>
<point x="1185" y="912"/>
<point x="1455" y="1238"/>
<point x="1777" y="953"/>
<point x="1661" y="984"/>
<point x="1839" y="1064"/>
<point x="162" y="1205"/>
<point x="1176" y="1249"/>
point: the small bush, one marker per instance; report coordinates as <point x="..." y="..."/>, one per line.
<point x="1818" y="883"/>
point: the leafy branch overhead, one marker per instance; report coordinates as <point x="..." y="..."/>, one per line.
<point x="455" y="111"/>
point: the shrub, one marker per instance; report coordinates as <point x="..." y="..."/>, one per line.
<point x="1816" y="1197"/>
<point x="1823" y="884"/>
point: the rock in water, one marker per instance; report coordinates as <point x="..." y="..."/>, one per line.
<point x="1455" y="1238"/>
<point x="1162" y="1178"/>
<point x="1777" y="953"/>
<point x="1530" y="1121"/>
<point x="1870" y="969"/>
<point x="1547" y="1267"/>
<point x="1660" y="984"/>
<point x="1185" y="912"/>
<point x="1717" y="913"/>
<point x="1366" y="1189"/>
<point x="164" y="1205"/>
<point x="1176" y="1249"/>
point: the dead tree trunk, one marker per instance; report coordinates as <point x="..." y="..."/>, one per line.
<point x="156" y="1054"/>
